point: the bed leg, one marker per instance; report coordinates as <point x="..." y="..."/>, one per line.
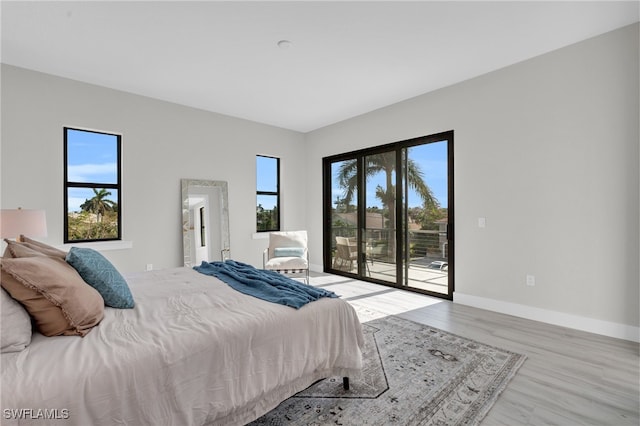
<point x="345" y="383"/>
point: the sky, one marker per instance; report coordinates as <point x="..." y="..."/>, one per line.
<point x="266" y="180"/>
<point x="91" y="157"/>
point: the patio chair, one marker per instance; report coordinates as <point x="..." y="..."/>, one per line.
<point x="287" y="253"/>
<point x="346" y="253"/>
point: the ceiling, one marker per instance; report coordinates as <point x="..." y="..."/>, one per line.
<point x="344" y="59"/>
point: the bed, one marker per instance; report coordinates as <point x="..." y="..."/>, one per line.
<point x="193" y="351"/>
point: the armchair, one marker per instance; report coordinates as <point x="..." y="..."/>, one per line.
<point x="346" y="253"/>
<point x="287" y="253"/>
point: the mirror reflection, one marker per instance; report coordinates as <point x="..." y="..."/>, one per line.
<point x="205" y="221"/>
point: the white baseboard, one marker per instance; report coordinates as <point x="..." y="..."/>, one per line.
<point x="591" y="325"/>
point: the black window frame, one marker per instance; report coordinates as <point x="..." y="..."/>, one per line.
<point x="271" y="193"/>
<point x="95" y="185"/>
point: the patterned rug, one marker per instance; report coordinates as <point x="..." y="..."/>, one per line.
<point x="413" y="375"/>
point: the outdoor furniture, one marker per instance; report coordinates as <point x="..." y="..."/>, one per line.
<point x="377" y="249"/>
<point x="287" y="253"/>
<point x="346" y="253"/>
<point x="438" y="264"/>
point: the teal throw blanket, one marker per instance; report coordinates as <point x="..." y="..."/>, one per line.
<point x="267" y="285"/>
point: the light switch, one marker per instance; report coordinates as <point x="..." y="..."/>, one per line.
<point x="482" y="222"/>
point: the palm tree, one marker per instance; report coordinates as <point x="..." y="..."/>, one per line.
<point x="99" y="204"/>
<point x="385" y="162"/>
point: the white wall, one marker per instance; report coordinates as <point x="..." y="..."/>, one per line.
<point x="547" y="151"/>
<point x="162" y="143"/>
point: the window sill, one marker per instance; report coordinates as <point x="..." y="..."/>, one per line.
<point x="260" y="235"/>
<point x="101" y="245"/>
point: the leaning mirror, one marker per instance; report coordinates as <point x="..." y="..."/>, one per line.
<point x="205" y="221"/>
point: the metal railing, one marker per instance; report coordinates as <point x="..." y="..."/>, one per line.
<point x="380" y="241"/>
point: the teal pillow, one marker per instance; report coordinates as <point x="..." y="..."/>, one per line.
<point x="288" y="251"/>
<point x="100" y="274"/>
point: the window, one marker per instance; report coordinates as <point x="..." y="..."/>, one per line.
<point x="203" y="241"/>
<point x="92" y="191"/>
<point x="268" y="193"/>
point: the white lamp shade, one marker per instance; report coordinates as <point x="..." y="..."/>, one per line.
<point x="31" y="223"/>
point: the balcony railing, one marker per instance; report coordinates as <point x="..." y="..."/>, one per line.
<point x="431" y="244"/>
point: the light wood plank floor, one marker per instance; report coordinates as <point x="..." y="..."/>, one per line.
<point x="570" y="377"/>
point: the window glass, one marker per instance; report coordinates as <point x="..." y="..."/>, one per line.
<point x="92" y="186"/>
<point x="267" y="193"/>
<point x="267" y="174"/>
<point x="92" y="157"/>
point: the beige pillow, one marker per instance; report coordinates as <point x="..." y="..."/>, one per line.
<point x="16" y="249"/>
<point x="43" y="248"/>
<point x="53" y="293"/>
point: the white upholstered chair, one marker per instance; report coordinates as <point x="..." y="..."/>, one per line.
<point x="287" y="253"/>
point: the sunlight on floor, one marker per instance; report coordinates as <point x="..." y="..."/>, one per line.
<point x="381" y="300"/>
<point x="420" y="276"/>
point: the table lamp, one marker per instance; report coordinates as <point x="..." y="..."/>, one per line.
<point x="16" y="222"/>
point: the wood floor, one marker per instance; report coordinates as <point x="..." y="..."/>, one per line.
<point x="570" y="377"/>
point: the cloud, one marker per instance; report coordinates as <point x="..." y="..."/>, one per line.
<point x="99" y="173"/>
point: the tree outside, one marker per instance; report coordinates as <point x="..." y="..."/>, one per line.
<point x="385" y="163"/>
<point x="96" y="220"/>
<point x="267" y="220"/>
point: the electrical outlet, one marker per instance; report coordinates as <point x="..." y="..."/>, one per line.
<point x="149" y="267"/>
<point x="531" y="280"/>
<point x="482" y="222"/>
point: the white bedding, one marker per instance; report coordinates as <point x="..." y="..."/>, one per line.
<point x="192" y="352"/>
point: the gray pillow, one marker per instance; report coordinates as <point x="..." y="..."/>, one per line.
<point x="15" y="331"/>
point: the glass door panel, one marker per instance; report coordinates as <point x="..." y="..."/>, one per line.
<point x="426" y="217"/>
<point x="379" y="230"/>
<point x="344" y="216"/>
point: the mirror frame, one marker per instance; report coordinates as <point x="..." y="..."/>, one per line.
<point x="186" y="184"/>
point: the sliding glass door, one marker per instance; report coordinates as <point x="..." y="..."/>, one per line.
<point x="388" y="214"/>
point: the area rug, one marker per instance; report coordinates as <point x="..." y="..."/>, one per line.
<point x="413" y="375"/>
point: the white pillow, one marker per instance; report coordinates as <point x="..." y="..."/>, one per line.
<point x="15" y="331"/>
